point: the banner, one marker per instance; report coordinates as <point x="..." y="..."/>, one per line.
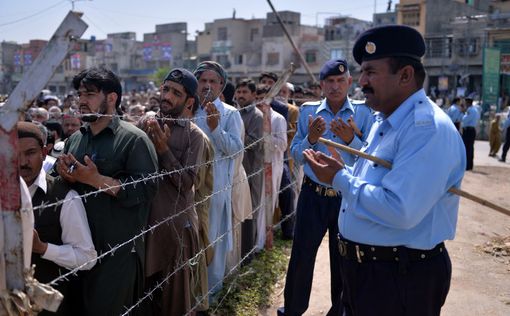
<point x="147" y="53"/>
<point x="75" y="61"/>
<point x="27" y="59"/>
<point x="491" y="66"/>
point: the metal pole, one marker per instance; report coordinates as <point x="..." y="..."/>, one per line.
<point x="301" y="58"/>
<point x="30" y="85"/>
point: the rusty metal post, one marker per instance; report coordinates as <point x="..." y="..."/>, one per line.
<point x="32" y="83"/>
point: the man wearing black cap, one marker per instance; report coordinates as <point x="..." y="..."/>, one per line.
<point x="105" y="154"/>
<point x="179" y="145"/>
<point x="318" y="203"/>
<point x="393" y="221"/>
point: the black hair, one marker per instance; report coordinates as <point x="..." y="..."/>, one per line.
<point x="398" y="62"/>
<point x="268" y="74"/>
<point x="247" y="83"/>
<point x="102" y="79"/>
<point x="228" y="93"/>
<point x="262" y="89"/>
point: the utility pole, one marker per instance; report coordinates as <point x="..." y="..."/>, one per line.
<point x="33" y="81"/>
<point x="296" y="49"/>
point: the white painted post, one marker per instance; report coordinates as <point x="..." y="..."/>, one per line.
<point x="33" y="81"/>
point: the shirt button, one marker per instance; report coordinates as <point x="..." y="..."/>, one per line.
<point x="343" y="210"/>
<point x="334" y="136"/>
<point x="381" y="134"/>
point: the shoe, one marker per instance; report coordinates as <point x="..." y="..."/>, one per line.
<point x="502" y="160"/>
<point x="280" y="311"/>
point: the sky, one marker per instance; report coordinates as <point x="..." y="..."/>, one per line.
<point x="22" y="20"/>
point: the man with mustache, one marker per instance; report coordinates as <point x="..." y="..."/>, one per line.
<point x="393" y="222"/>
<point x="318" y="203"/>
<point x="61" y="238"/>
<point x="179" y="144"/>
<point x="110" y="155"/>
<point x="222" y="123"/>
<point x="253" y="159"/>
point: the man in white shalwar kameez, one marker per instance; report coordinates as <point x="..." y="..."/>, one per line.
<point x="275" y="144"/>
<point x="222" y="123"/>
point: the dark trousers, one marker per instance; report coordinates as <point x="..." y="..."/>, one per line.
<point x="468" y="136"/>
<point x="286" y="203"/>
<point x="315" y="215"/>
<point x="386" y="288"/>
<point x="506" y="146"/>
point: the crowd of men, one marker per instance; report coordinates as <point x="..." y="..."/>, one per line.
<point x="215" y="171"/>
<point x="200" y="172"/>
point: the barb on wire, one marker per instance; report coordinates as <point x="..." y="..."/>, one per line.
<point x="202" y="251"/>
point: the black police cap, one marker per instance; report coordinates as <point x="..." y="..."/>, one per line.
<point x="333" y="67"/>
<point x="389" y="41"/>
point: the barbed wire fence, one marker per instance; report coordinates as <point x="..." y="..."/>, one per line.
<point x="154" y="177"/>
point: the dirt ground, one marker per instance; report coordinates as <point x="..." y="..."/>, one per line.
<point x="481" y="276"/>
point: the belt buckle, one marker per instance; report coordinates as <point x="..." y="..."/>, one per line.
<point x="330" y="193"/>
<point x="342" y="247"/>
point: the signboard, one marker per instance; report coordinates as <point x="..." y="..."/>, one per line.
<point x="491" y="66"/>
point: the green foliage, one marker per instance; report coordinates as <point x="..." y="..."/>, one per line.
<point x="249" y="289"/>
<point x="160" y="75"/>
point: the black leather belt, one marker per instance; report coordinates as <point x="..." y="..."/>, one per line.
<point x="366" y="253"/>
<point x="320" y="189"/>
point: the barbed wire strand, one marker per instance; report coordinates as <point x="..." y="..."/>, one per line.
<point x="202" y="252"/>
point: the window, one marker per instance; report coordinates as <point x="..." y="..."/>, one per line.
<point x="222" y="34"/>
<point x="223" y="60"/>
<point x="239" y="59"/>
<point x="253" y="34"/>
<point x="337" y="54"/>
<point x="273" y="59"/>
<point x="311" y="56"/>
<point x="467" y="47"/>
<point x="439" y="47"/>
<point x="411" y="18"/>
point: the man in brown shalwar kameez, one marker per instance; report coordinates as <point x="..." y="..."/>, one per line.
<point x="179" y="145"/>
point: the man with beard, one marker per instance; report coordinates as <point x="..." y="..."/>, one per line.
<point x="319" y="203"/>
<point x="253" y="160"/>
<point x="393" y="221"/>
<point x="110" y="155"/>
<point x="70" y="124"/>
<point x="222" y="123"/>
<point x="179" y="145"/>
<point x="61" y="238"/>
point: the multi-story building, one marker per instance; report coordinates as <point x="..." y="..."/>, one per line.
<point x="7" y="52"/>
<point x="454" y="32"/>
<point x="166" y="47"/>
<point x="248" y="47"/>
<point x="340" y="34"/>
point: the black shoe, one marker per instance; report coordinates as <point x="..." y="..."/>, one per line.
<point x="502" y="160"/>
<point x="280" y="311"/>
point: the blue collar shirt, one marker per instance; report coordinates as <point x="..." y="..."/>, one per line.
<point x="362" y="116"/>
<point x="455" y="114"/>
<point x="471" y="117"/>
<point x="408" y="205"/>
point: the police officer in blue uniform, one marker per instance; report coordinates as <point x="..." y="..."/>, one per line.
<point x="393" y="221"/>
<point x="469" y="121"/>
<point x="318" y="203"/>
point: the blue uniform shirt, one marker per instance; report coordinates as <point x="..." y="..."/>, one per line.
<point x="362" y="117"/>
<point x="408" y="205"/>
<point x="471" y="117"/>
<point x="455" y="114"/>
<point x="507" y="121"/>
